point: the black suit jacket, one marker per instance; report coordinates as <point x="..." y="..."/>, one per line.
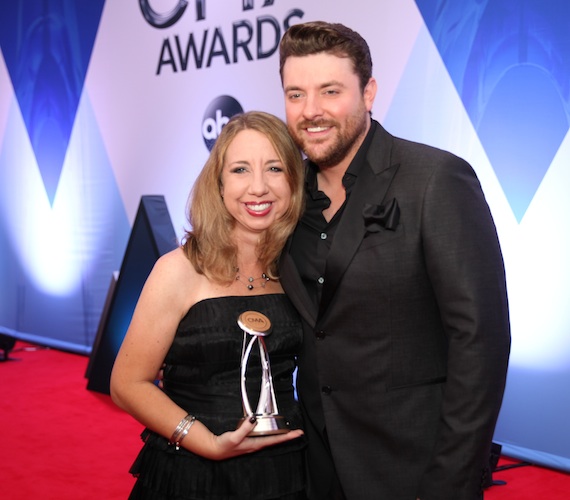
<point x="404" y="362"/>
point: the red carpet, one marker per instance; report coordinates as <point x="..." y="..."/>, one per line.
<point x="528" y="483"/>
<point x="61" y="441"/>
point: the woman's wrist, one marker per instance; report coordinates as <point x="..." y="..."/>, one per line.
<point x="181" y="430"/>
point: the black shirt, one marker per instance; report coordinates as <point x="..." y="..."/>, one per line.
<point x="314" y="236"/>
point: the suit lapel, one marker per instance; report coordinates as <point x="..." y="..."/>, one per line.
<point x="374" y="179"/>
<point x="293" y="286"/>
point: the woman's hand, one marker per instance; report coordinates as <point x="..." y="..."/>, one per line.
<point x="234" y="443"/>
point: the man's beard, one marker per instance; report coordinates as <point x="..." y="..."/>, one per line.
<point x="340" y="148"/>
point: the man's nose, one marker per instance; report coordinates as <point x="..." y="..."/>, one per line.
<point x="312" y="108"/>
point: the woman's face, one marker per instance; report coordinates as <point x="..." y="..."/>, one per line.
<point x="255" y="184"/>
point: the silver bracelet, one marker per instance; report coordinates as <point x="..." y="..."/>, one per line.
<point x="181" y="430"/>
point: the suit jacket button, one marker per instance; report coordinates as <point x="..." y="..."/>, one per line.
<point x="326" y="389"/>
<point x="320" y="335"/>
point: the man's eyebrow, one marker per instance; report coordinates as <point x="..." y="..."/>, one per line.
<point x="332" y="83"/>
<point x="289" y="88"/>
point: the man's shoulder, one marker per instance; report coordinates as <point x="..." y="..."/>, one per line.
<point x="417" y="155"/>
<point x="410" y="147"/>
<point x="401" y="149"/>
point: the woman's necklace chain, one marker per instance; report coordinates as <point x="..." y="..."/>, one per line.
<point x="251" y="281"/>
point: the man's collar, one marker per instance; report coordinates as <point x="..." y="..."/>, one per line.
<point x="360" y="156"/>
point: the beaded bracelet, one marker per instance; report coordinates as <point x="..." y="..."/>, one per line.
<point x="181" y="430"/>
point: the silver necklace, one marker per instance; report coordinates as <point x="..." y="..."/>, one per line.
<point x="250" y="282"/>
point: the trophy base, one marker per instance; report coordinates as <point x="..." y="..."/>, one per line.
<point x="268" y="425"/>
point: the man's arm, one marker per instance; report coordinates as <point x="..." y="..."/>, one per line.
<point x="465" y="266"/>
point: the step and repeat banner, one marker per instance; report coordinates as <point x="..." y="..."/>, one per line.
<point x="103" y="102"/>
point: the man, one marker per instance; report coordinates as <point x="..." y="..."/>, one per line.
<point x="397" y="272"/>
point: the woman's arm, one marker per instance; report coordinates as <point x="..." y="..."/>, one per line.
<point x="166" y="297"/>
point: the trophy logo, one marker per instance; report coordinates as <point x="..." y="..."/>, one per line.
<point x="257" y="326"/>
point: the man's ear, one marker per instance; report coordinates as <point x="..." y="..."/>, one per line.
<point x="370" y="93"/>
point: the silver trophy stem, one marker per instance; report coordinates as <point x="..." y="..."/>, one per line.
<point x="245" y="356"/>
<point x="268" y="419"/>
<point x="266" y="405"/>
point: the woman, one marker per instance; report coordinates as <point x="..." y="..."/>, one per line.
<point x="245" y="203"/>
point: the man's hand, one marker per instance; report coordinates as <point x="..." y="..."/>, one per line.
<point x="160" y="377"/>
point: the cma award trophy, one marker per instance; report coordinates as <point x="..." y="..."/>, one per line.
<point x="268" y="419"/>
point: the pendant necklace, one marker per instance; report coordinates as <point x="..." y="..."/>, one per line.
<point x="250" y="282"/>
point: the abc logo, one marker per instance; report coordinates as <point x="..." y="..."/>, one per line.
<point x="216" y="116"/>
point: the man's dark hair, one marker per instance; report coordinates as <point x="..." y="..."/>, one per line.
<point x="332" y="38"/>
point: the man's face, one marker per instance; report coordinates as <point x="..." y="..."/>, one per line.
<point x="327" y="114"/>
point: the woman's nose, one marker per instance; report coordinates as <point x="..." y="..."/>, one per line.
<point x="258" y="184"/>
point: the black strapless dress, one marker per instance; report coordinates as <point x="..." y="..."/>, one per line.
<point x="202" y="375"/>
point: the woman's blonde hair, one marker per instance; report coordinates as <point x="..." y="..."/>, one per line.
<point x="208" y="244"/>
